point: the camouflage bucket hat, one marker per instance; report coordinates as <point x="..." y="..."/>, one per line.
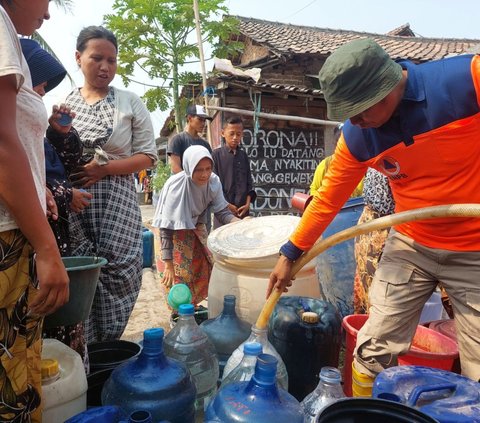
<point x="356" y="76"/>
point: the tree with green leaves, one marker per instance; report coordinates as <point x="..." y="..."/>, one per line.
<point x="158" y="38"/>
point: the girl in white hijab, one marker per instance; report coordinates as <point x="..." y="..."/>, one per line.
<point x="180" y="216"/>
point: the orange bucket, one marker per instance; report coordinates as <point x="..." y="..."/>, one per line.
<point x="429" y="348"/>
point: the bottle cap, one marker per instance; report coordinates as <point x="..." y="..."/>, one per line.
<point x="179" y="294"/>
<point x="186" y="309"/>
<point x="252" y="348"/>
<point x="310" y="317"/>
<point x="65" y="119"/>
<point x="49" y="368"/>
<point x="153" y="334"/>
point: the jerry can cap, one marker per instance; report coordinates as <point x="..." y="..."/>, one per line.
<point x="310" y="317"/>
<point x="49" y="368"/>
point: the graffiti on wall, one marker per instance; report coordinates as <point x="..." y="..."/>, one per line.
<point x="282" y="162"/>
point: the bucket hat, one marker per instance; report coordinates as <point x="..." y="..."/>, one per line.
<point x="356" y="76"/>
<point x="43" y="66"/>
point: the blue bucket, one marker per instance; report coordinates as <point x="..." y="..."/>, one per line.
<point x="336" y="266"/>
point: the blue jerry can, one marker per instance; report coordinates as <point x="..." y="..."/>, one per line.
<point x="147" y="247"/>
<point x="445" y="396"/>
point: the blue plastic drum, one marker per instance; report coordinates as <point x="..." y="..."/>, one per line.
<point x="336" y="266"/>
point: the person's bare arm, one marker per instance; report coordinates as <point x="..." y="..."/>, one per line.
<point x="175" y="164"/>
<point x="92" y="172"/>
<point x="166" y="241"/>
<point x="19" y="195"/>
<point x="281" y="276"/>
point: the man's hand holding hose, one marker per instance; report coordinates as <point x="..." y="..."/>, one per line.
<point x="280" y="278"/>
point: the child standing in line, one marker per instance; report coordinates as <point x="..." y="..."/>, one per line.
<point x="232" y="166"/>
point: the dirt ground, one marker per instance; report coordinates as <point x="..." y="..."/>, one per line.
<point x="151" y="309"/>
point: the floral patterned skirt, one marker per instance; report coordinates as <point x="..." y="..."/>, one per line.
<point x="20" y="333"/>
<point x="193" y="262"/>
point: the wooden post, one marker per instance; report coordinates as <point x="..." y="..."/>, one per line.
<point x="277" y="117"/>
<point x="202" y="64"/>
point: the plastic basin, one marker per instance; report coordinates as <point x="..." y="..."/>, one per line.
<point x="83" y="273"/>
<point x="429" y="348"/>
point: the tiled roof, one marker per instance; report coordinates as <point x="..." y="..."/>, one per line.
<point x="402" y="31"/>
<point x="288" y="39"/>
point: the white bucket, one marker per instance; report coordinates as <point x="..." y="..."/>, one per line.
<point x="245" y="253"/>
<point x="65" y="396"/>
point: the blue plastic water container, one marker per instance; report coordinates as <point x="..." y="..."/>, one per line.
<point x="107" y="414"/>
<point x="336" y="266"/>
<point x="154" y="383"/>
<point x="256" y="401"/>
<point x="111" y="414"/>
<point x="306" y="332"/>
<point x="226" y="331"/>
<point x="187" y="343"/>
<point x="147" y="247"/>
<point x="445" y="396"/>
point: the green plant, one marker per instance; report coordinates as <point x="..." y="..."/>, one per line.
<point x="162" y="173"/>
<point x="157" y="38"/>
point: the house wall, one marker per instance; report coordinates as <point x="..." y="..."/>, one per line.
<point x="253" y="52"/>
<point x="283" y="154"/>
<point x="294" y="72"/>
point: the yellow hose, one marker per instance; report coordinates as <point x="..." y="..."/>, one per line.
<point x="452" y="210"/>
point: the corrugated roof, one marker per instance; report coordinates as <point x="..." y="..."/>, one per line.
<point x="287" y="39"/>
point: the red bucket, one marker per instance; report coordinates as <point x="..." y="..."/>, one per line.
<point x="429" y="348"/>
<point x="351" y="324"/>
<point x="300" y="201"/>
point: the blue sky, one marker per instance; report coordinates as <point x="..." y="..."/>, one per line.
<point x="427" y="18"/>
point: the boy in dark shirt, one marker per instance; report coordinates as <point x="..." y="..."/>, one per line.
<point x="232" y="165"/>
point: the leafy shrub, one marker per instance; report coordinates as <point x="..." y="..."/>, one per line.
<point x="162" y="173"/>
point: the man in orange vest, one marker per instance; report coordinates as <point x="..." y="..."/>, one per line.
<point x="420" y="126"/>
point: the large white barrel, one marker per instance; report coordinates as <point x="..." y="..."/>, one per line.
<point x="245" y="253"/>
